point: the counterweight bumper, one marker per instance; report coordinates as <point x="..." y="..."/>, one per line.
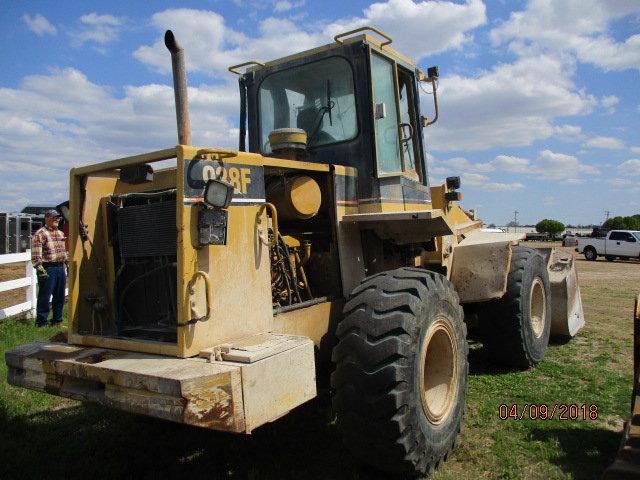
<point x="220" y="395"/>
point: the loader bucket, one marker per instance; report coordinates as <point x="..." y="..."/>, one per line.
<point x="567" y="317"/>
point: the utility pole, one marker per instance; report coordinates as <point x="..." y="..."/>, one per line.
<point x="515" y="217"/>
<point x="606" y="215"/>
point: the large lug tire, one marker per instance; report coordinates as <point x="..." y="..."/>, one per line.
<point x="590" y="253"/>
<point x="515" y="328"/>
<point x="401" y="371"/>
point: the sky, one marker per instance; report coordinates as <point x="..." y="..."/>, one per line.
<point x="539" y="100"/>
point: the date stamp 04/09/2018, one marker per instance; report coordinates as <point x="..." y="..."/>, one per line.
<point x="542" y="411"/>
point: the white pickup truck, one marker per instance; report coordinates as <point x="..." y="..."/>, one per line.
<point x="617" y="244"/>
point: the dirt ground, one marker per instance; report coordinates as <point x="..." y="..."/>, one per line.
<point x="12" y="271"/>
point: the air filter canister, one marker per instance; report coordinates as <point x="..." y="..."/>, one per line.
<point x="296" y="198"/>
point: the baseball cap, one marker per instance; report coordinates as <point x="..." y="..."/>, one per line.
<point x="51" y="213"/>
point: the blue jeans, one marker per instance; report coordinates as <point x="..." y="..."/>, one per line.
<point x="53" y="285"/>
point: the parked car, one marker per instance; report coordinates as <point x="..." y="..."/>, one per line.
<point x="569" y="240"/>
<point x="617" y="244"/>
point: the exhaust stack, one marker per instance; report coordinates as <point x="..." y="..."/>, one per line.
<point x="179" y="88"/>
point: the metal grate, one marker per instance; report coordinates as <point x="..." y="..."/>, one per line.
<point x="147" y="230"/>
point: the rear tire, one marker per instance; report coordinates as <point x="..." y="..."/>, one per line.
<point x="401" y="371"/>
<point x="515" y="328"/>
<point x="590" y="253"/>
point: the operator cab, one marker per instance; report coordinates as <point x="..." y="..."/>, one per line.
<point x="357" y="101"/>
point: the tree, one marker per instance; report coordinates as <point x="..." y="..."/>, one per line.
<point x="552" y="227"/>
<point x="622" y="223"/>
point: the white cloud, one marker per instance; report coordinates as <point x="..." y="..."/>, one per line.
<point x="211" y="45"/>
<point x="559" y="166"/>
<point x="608" y="143"/>
<point x="574" y="181"/>
<point x="506" y="106"/>
<point x="55" y="121"/>
<point x="580" y="27"/>
<point x="619" y="182"/>
<point x="568" y="133"/>
<point x="39" y="25"/>
<point x="97" y="29"/>
<point x="548" y="166"/>
<point x="482" y="182"/>
<point x="285" y="5"/>
<point x="609" y="102"/>
<point x="511" y="164"/>
<point x="630" y="167"/>
<point x="422" y="28"/>
<point x="548" y="200"/>
<point x="635" y="149"/>
<point x="461" y="164"/>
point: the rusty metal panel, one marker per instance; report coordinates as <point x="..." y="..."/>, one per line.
<point x="189" y="391"/>
<point x="479" y="270"/>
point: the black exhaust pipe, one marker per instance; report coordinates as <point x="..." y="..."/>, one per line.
<point x="179" y="88"/>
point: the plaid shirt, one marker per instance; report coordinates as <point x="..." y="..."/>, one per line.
<point x="47" y="245"/>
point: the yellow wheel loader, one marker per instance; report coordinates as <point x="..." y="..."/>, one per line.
<point x="210" y="291"/>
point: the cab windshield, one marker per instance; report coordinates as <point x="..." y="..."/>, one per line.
<point x="317" y="97"/>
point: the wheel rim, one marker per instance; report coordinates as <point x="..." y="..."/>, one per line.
<point x="438" y="372"/>
<point x="537" y="303"/>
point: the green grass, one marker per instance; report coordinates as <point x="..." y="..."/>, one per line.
<point x="43" y="436"/>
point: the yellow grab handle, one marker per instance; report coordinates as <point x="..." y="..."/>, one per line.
<point x="274" y="220"/>
<point x="207" y="286"/>
<point x="362" y="29"/>
<point x="233" y="69"/>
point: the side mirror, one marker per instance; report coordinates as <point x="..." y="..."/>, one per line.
<point x="218" y="193"/>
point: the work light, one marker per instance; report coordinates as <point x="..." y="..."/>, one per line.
<point x="218" y="193"/>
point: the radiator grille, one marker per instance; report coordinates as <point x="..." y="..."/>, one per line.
<point x="147" y="230"/>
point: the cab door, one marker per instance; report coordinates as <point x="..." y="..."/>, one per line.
<point x="398" y="146"/>
<point x="385" y="112"/>
<point x="623" y="244"/>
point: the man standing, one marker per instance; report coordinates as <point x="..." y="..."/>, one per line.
<point x="49" y="255"/>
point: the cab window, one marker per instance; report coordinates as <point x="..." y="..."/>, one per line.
<point x="318" y="98"/>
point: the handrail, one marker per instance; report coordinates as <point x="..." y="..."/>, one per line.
<point x="362" y="29"/>
<point x="233" y="68"/>
<point x="274" y="224"/>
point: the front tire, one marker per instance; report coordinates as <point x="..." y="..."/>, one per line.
<point x="516" y="327"/>
<point x="590" y="253"/>
<point x="401" y="370"/>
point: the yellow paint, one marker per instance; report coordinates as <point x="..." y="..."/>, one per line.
<point x="312" y="322"/>
<point x="239" y="272"/>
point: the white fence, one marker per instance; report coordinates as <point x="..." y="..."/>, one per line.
<point x="30" y="280"/>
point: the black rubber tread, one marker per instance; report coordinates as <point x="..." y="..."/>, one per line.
<point x="376" y="397"/>
<point x="504" y="324"/>
<point x="590" y="249"/>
